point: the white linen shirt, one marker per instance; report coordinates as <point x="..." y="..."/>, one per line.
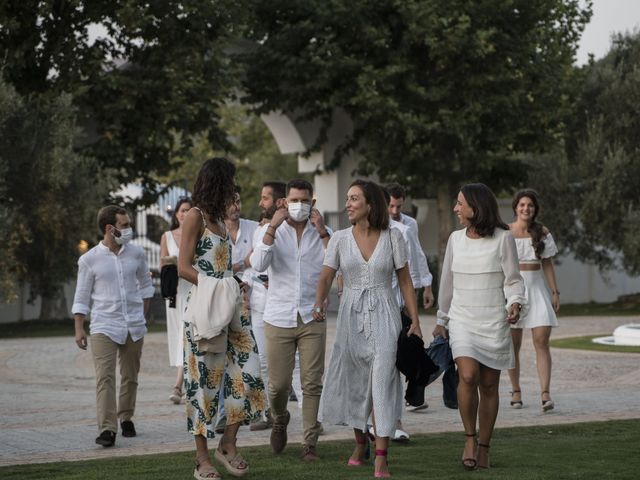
<point x="404" y="230"/>
<point x="258" y="297"/>
<point x="112" y="287"/>
<point x="293" y="272"/>
<point x="244" y="241"/>
<point x="418" y="266"/>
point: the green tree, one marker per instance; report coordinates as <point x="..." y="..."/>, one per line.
<point x="604" y="155"/>
<point x="9" y="236"/>
<point x="49" y="195"/>
<point x="160" y="68"/>
<point x="441" y="92"/>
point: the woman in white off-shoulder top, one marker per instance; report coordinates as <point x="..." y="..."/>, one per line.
<point x="481" y="294"/>
<point x="535" y="249"/>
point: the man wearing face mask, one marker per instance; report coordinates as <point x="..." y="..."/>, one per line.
<point x="114" y="284"/>
<point x="292" y="250"/>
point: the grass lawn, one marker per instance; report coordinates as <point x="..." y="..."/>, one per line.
<point x="598" y="450"/>
<point x="585" y="343"/>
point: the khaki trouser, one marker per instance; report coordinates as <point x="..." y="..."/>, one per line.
<point x="104" y="352"/>
<point x="310" y="341"/>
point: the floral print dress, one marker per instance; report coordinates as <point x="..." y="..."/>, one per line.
<point x="238" y="369"/>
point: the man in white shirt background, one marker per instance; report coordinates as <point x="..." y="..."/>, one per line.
<point x="292" y="251"/>
<point x="114" y="285"/>
<point x="271" y="197"/>
<point x="240" y="232"/>
<point x="418" y="268"/>
<point x="418" y="265"/>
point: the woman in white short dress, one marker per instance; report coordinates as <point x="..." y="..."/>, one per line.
<point x="479" y="279"/>
<point x="362" y="379"/>
<point x="535" y="249"/>
<point x="169" y="249"/>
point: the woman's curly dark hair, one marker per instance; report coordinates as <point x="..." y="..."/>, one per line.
<point x="215" y="189"/>
<point x="535" y="229"/>
<point x="486" y="216"/>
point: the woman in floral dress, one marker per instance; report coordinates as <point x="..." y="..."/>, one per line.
<point x="235" y="374"/>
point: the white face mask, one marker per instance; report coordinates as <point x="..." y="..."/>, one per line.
<point x="126" y="234"/>
<point x="299" y="211"/>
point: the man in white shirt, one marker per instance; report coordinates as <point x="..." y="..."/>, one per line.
<point x="241" y="232"/>
<point x="418" y="265"/>
<point x="114" y="284"/>
<point x="418" y="268"/>
<point x="292" y="251"/>
<point x="271" y="198"/>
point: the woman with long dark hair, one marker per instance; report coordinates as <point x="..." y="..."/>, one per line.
<point x="535" y="251"/>
<point x="362" y="379"/>
<point x="169" y="250"/>
<point x="480" y="277"/>
<point x="233" y="372"/>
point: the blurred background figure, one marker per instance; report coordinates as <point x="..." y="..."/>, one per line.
<point x="169" y="249"/>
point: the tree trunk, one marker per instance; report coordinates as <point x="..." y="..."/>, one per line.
<point x="54" y="307"/>
<point x="445" y="227"/>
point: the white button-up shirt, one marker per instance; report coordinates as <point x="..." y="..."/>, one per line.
<point x="244" y="241"/>
<point x="112" y="287"/>
<point x="258" y="298"/>
<point x="293" y="273"/>
<point x="395" y="286"/>
<point x="418" y="266"/>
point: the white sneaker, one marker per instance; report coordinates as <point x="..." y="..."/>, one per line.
<point x="400" y="436"/>
<point x="411" y="408"/>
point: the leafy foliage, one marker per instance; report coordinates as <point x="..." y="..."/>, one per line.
<point x="604" y="154"/>
<point x="50" y="194"/>
<point x="440" y="91"/>
<point x="158" y="67"/>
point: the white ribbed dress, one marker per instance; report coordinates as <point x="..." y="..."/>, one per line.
<point x="540" y="312"/>
<point x="480" y="277"/>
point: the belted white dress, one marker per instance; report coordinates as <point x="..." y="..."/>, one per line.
<point x="480" y="281"/>
<point x="362" y="374"/>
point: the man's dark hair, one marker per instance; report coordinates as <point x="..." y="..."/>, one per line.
<point x="279" y="189"/>
<point x="107" y="216"/>
<point x="374" y="196"/>
<point x="395" y="190"/>
<point x="486" y="216"/>
<point x="300" y="184"/>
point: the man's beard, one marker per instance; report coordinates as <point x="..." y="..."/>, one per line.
<point x="268" y="214"/>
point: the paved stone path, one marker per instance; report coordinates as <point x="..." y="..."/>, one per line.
<point x="47" y="402"/>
